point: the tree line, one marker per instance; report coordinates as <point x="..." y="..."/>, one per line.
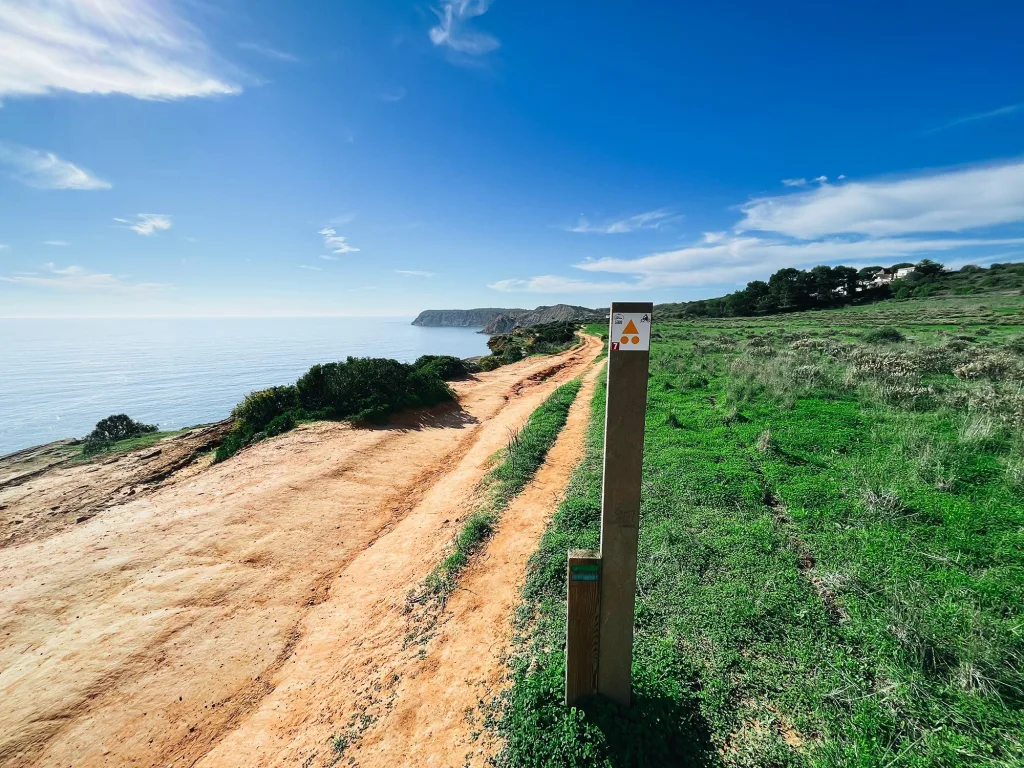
<point x="790" y="290"/>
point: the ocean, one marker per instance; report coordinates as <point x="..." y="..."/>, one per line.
<point x="59" y="377"/>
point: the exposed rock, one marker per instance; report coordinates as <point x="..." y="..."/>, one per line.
<point x="559" y="313"/>
<point x="461" y="318"/>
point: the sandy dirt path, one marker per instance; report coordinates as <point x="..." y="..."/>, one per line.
<point x="179" y="628"/>
<point x="439" y="703"/>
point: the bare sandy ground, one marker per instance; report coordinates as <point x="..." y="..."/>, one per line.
<point x="242" y="614"/>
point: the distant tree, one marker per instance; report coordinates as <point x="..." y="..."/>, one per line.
<point x="120" y="426"/>
<point x="866" y="273"/>
<point x="929" y="268"/>
<point x="825" y="283"/>
<point x="902" y="264"/>
<point x="848" y="278"/>
<point x="971" y="269"/>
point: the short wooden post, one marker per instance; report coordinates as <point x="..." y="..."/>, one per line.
<point x="629" y="343"/>
<point x="581" y="645"/>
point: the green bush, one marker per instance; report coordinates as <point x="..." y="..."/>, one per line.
<point x="112" y="429"/>
<point x="120" y="427"/>
<point x="883" y="335"/>
<point x="446" y="367"/>
<point x="360" y="388"/>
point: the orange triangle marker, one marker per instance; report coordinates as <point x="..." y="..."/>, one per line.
<point x="630" y="328"/>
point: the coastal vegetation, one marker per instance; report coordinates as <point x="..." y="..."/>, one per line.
<point x="112" y="430"/>
<point x="542" y="339"/>
<point x="830" y="557"/>
<point x="790" y="290"/>
<point x="357" y="389"/>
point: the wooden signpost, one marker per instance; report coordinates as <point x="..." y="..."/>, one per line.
<point x="629" y="344"/>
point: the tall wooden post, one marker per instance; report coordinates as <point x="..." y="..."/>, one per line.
<point x="629" y="354"/>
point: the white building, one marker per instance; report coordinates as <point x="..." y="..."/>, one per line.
<point x="904" y="271"/>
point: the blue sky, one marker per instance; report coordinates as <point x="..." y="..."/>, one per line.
<point x="230" y="157"/>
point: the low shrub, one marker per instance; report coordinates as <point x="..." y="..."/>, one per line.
<point x="110" y="430"/>
<point x="360" y="389"/>
<point x="447" y="367"/>
<point x="886" y="335"/>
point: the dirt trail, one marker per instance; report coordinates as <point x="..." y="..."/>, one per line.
<point x="436" y="706"/>
<point x="228" y="617"/>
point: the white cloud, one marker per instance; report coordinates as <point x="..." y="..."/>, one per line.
<point x="396" y="95"/>
<point x="556" y="284"/>
<point x="45" y="170"/>
<point x="454" y="32"/>
<point x="794" y="182"/>
<point x="738" y="259"/>
<point x="1009" y="109"/>
<point x="56" y="242"/>
<point x="821" y="179"/>
<point x="335" y="242"/>
<point x="148" y="223"/>
<point x="268" y="52"/>
<point x="414" y="273"/>
<point x="4" y="247"/>
<point x="647" y="220"/>
<point x="304" y="266"/>
<point x="80" y="280"/>
<point x="327" y="257"/>
<point x="855" y="223"/>
<point x="943" y="201"/>
<point x="139" y="48"/>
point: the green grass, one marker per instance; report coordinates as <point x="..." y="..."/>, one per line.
<point x="518" y="462"/>
<point x="831" y="557"/>
<point x="124" y="446"/>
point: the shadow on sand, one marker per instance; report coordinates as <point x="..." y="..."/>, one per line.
<point x="444" y="416"/>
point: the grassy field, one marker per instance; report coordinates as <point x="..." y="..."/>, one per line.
<point x="831" y="561"/>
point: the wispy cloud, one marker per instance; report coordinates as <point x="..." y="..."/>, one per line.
<point x="794" y="182"/>
<point x="268" y="52"/>
<point x="130" y="47"/>
<point x="943" y="201"/>
<point x="56" y="242"/>
<point x="335" y="243"/>
<point x="328" y="257"/>
<point x="414" y="273"/>
<point x="4" y="247"/>
<point x="556" y="284"/>
<point x="648" y="220"/>
<point x="453" y="28"/>
<point x="855" y="223"/>
<point x="1009" y="109"/>
<point x="45" y="170"/>
<point x="147" y="224"/>
<point x="80" y="280"/>
<point x="742" y="258"/>
<point x="394" y="95"/>
<point x="306" y="266"/>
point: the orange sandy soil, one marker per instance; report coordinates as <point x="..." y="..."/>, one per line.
<point x="247" y="613"/>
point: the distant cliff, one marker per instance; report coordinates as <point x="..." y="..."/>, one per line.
<point x="559" y="313"/>
<point x="495" y="320"/>
<point x="461" y="318"/>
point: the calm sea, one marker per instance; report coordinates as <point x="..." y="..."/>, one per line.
<point x="59" y="377"/>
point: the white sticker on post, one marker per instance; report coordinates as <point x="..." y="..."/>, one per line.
<point x="631" y="332"/>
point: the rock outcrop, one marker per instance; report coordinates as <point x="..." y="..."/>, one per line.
<point x="461" y="318"/>
<point x="559" y="313"/>
<point x="496" y="320"/>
